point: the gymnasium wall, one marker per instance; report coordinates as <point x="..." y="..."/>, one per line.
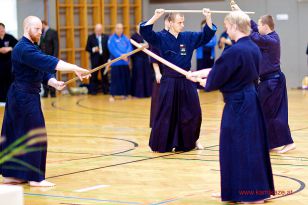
<point x="293" y="32"/>
<point x="26" y="8"/>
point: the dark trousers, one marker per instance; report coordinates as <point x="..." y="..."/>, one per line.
<point x="48" y="89"/>
<point x="5" y="79"/>
<point x="94" y="83"/>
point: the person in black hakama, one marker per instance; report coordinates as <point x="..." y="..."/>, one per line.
<point x="158" y="69"/>
<point x="178" y="120"/>
<point x="272" y="89"/>
<point x="23" y="112"/>
<point x="245" y="167"/>
<point x="141" y="71"/>
<point x="7" y="43"/>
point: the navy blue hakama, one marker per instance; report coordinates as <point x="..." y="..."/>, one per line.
<point x="142" y="77"/>
<point x="154" y="102"/>
<point x="178" y="120"/>
<point x="23" y="113"/>
<point x="273" y="96"/>
<point x="245" y="166"/>
<point x="120" y="80"/>
<point x="155" y="88"/>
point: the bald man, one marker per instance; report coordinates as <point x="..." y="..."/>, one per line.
<point x="99" y="54"/>
<point x="23" y="112"/>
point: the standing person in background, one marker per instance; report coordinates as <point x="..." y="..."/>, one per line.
<point x="141" y="70"/>
<point x="307" y="54"/>
<point x="158" y="69"/>
<point x="7" y="43"/>
<point x="206" y="53"/>
<point x="118" y="45"/>
<point x="224" y="41"/>
<point x="49" y="44"/>
<point x="97" y="46"/>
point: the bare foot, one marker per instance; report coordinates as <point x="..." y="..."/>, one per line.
<point x="43" y="183"/>
<point x="274" y="149"/>
<point x="199" y="146"/>
<point x="111" y="99"/>
<point x="287" y="148"/>
<point x="216" y="195"/>
<point x="11" y="180"/>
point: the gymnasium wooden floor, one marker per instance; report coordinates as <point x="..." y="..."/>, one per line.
<point x="98" y="154"/>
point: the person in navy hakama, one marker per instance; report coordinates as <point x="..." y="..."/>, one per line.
<point x="246" y="173"/>
<point x="23" y="112"/>
<point x="158" y="69"/>
<point x="178" y="120"/>
<point x="142" y="74"/>
<point x="272" y="88"/>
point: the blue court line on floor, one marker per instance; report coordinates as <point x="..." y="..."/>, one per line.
<point x="165" y="202"/>
<point x="79" y="198"/>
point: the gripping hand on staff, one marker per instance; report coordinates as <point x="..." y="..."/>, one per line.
<point x="82" y="73"/>
<point x="235" y="7"/>
<point x="198" y="76"/>
<point x="201" y="73"/>
<point x="207" y="13"/>
<point x="59" y="85"/>
<point x="202" y="81"/>
<point x="158" y="13"/>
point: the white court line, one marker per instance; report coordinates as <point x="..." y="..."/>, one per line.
<point x="91" y="188"/>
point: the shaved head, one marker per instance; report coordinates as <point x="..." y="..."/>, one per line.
<point x="30" y="21"/>
<point x="32" y="28"/>
<point x="98" y="29"/>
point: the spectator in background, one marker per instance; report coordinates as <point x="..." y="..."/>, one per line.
<point x="141" y="70"/>
<point x="224" y="41"/>
<point x="49" y="44"/>
<point x="118" y="45"/>
<point x="307" y="54"/>
<point x="7" y="43"/>
<point x="97" y="46"/>
<point x="206" y="53"/>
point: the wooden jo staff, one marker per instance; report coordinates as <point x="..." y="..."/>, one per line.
<point x="110" y="62"/>
<point x="200" y="11"/>
<point x="160" y="59"/>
